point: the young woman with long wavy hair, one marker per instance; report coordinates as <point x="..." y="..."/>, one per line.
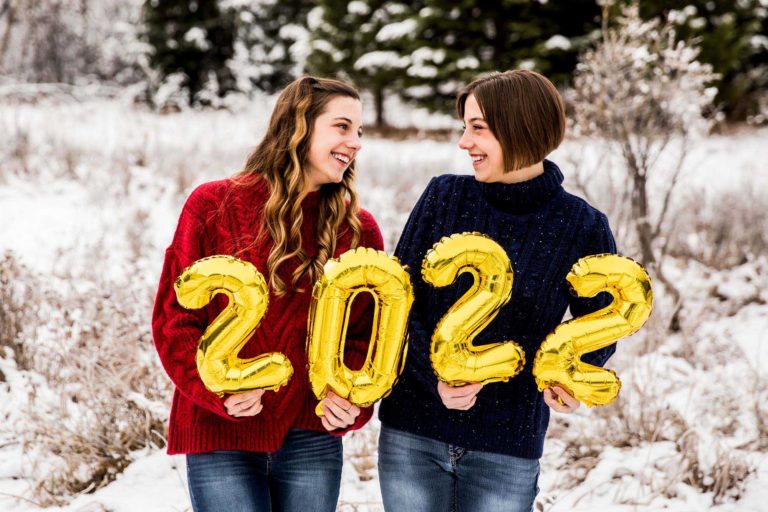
<point x="287" y="212"/>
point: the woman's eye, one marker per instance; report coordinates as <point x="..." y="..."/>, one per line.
<point x="477" y="127"/>
<point x="343" y="126"/>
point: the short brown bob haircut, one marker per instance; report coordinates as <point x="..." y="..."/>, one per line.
<point x="524" y="112"/>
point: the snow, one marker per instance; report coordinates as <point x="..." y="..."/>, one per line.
<point x="425" y="53"/>
<point x="381" y="60"/>
<point x="397" y="30"/>
<point x="101" y="173"/>
<point x="198" y="37"/>
<point x="557" y="42"/>
<point x="469" y="62"/>
<point x="422" y="71"/>
<point x="359" y="8"/>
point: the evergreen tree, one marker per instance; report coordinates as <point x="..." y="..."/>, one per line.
<point x="271" y="42"/>
<point x="192" y="39"/>
<point x="456" y="41"/>
<point x="732" y="38"/>
<point x="361" y="41"/>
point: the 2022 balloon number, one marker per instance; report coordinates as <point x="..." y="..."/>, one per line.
<point x="454" y="358"/>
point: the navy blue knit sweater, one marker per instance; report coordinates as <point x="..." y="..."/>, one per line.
<point x="544" y="230"/>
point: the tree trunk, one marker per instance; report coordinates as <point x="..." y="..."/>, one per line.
<point x="378" y="101"/>
<point x="645" y="237"/>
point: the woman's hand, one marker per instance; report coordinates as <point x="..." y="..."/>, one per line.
<point x="461" y="398"/>
<point x="247" y="403"/>
<point x="559" y="400"/>
<point x="338" y="412"/>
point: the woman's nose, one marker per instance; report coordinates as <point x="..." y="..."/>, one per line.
<point x="355" y="143"/>
<point x="464" y="141"/>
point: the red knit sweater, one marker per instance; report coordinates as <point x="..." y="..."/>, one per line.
<point x="199" y="421"/>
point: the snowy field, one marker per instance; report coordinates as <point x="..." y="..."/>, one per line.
<point x="89" y="196"/>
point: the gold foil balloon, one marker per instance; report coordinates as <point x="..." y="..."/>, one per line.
<point x="454" y="359"/>
<point x="356" y="271"/>
<point x="558" y="359"/>
<point x="220" y="369"/>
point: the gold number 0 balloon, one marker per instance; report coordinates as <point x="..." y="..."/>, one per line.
<point x="356" y="271"/>
<point x="558" y="359"/>
<point x="454" y="358"/>
<point x="217" y="362"/>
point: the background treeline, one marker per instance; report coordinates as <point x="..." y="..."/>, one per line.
<point x="198" y="52"/>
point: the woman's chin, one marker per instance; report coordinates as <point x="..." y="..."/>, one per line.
<point x="481" y="176"/>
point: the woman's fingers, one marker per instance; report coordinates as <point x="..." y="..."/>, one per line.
<point x="468" y="405"/>
<point x="566" y="398"/>
<point x="551" y="401"/>
<point x="456" y="392"/>
<point x="339" y="413"/>
<point x="245" y="401"/>
<point x="560" y="400"/>
<point x="326" y="424"/>
<point x="332" y="419"/>
<point x="344" y="405"/>
<point x="458" y="397"/>
<point x="253" y="410"/>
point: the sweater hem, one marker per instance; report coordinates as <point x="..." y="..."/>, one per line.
<point x="532" y="448"/>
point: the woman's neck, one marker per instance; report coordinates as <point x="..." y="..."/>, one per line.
<point x="524" y="174"/>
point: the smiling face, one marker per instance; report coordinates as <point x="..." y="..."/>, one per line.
<point x="335" y="141"/>
<point x="481" y="144"/>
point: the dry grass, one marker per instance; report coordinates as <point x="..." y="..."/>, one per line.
<point x="727" y="230"/>
<point x="19" y="290"/>
<point x="104" y="394"/>
<point x="95" y="393"/>
<point x="360" y="449"/>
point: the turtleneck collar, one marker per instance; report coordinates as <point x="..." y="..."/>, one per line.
<point x="524" y="196"/>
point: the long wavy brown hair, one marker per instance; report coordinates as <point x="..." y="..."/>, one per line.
<point x="280" y="159"/>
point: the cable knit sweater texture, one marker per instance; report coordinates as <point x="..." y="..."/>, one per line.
<point x="199" y="421"/>
<point x="544" y="230"/>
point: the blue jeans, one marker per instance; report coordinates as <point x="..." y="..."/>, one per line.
<point x="303" y="475"/>
<point x="419" y="474"/>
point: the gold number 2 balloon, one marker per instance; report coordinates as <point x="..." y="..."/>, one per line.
<point x="558" y="359"/>
<point x="217" y="362"/>
<point x="358" y="271"/>
<point x="454" y="358"/>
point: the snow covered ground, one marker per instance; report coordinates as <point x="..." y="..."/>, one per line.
<point x="89" y="197"/>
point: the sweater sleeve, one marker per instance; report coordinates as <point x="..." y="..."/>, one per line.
<point x="601" y="242"/>
<point x="176" y="331"/>
<point x="415" y="241"/>
<point x="361" y="319"/>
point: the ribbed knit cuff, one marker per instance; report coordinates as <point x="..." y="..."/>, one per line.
<point x="248" y="436"/>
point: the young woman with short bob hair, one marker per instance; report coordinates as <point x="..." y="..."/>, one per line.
<point x="292" y="208"/>
<point x="477" y="447"/>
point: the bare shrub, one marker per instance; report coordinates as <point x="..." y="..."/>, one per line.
<point x="639" y="423"/>
<point x="630" y="422"/>
<point x="647" y="96"/>
<point x="724" y="478"/>
<point x="723" y="230"/>
<point x="107" y="392"/>
<point x="19" y="290"/>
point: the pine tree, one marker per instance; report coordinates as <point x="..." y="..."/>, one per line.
<point x="271" y="42"/>
<point x="192" y="39"/>
<point x="456" y="41"/>
<point x="361" y="41"/>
